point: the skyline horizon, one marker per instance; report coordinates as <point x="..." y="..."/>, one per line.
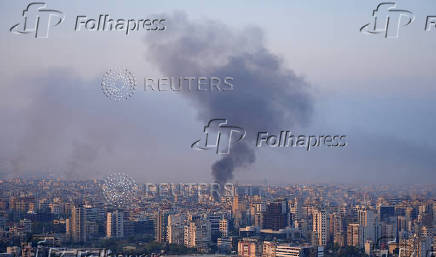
<point x="235" y="183"/>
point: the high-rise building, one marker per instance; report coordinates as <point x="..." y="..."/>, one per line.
<point x="257" y="208"/>
<point x="295" y="208"/>
<point x="161" y="224"/>
<point x="434" y="216"/>
<point x="368" y="248"/>
<point x="285" y="250"/>
<point x="389" y="229"/>
<point x="214" y="226"/>
<point x="189" y="235"/>
<point x="239" y="208"/>
<point x="26" y="225"/>
<point x="269" y="249"/>
<point x="92" y="228"/>
<point x="15" y="251"/>
<point x="320" y="228"/>
<point x="68" y="229"/>
<point x="368" y="226"/>
<point x="175" y="229"/>
<point x="224" y="227"/>
<point x="337" y="229"/>
<point x="353" y="235"/>
<point x="276" y="215"/>
<point x="115" y="224"/>
<point x="197" y="234"/>
<point x="224" y="245"/>
<point x="249" y="248"/>
<point x="385" y="212"/>
<point x="26" y="250"/>
<point x="78" y="224"/>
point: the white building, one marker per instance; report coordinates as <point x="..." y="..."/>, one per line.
<point x="197" y="234"/>
<point x="320" y="228"/>
<point x="285" y="250"/>
<point x="175" y="229"/>
<point x="115" y="224"/>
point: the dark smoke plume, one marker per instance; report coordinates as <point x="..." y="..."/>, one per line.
<point x="241" y="155"/>
<point x="266" y="97"/>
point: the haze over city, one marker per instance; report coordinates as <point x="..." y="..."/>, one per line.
<point x="217" y="128"/>
<point x="377" y="92"/>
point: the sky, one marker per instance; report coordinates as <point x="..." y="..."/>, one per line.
<point x="302" y="66"/>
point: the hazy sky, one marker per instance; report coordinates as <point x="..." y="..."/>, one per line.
<point x="379" y="92"/>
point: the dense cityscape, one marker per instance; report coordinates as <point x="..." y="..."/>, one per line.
<point x="53" y="217"/>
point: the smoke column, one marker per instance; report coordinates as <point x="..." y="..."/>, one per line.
<point x="266" y="97"/>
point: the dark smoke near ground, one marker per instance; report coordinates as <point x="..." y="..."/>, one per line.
<point x="241" y="155"/>
<point x="267" y="96"/>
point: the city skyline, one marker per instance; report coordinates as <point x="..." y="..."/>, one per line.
<point x="58" y="217"/>
<point x="217" y="128"/>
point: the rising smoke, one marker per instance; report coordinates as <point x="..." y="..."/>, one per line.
<point x="53" y="122"/>
<point x="266" y="96"/>
<point x="58" y="124"/>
